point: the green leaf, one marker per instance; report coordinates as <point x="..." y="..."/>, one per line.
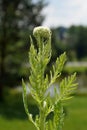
<point x="26" y="105"/>
<point x="25" y="98"/>
<point x="57" y="68"/>
<point x="67" y="87"/>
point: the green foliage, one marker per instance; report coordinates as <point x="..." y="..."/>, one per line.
<point x="78" y="40"/>
<point x="17" y="18"/>
<point x="72" y="39"/>
<point x="67" y="85"/>
<point x="39" y="82"/>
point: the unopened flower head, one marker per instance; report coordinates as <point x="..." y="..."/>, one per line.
<point x="41" y="31"/>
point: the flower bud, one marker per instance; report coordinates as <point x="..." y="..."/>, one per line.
<point x="42" y="32"/>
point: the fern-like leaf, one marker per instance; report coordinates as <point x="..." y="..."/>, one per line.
<point x="26" y="105"/>
<point x="67" y="86"/>
<point x="57" y="68"/>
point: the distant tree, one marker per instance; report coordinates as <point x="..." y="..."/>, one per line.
<point x="17" y="18"/>
<point x="72" y="39"/>
<point x="77" y="40"/>
<point x="58" y="45"/>
<point x="81" y="46"/>
<point x="71" y="42"/>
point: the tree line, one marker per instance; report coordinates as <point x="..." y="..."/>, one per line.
<point x="73" y="40"/>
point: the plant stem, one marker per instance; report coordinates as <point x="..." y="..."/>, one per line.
<point x="42" y="118"/>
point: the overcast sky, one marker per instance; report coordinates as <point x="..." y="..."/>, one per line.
<point x="65" y="13"/>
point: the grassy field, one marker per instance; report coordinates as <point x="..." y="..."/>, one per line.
<point x="12" y="118"/>
<point x="15" y="124"/>
<point x="76" y="118"/>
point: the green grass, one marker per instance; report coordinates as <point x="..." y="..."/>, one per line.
<point x="14" y="117"/>
<point x="15" y="124"/>
<point x="76" y="118"/>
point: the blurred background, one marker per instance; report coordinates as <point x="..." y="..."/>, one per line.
<point x="68" y="22"/>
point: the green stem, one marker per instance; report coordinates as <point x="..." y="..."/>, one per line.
<point x="42" y="119"/>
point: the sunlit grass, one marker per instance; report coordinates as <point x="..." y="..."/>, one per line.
<point x="15" y="124"/>
<point x="76" y="118"/>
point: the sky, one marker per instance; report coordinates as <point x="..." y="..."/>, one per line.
<point x="65" y="13"/>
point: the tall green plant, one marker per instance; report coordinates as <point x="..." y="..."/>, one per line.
<point x="39" y="82"/>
